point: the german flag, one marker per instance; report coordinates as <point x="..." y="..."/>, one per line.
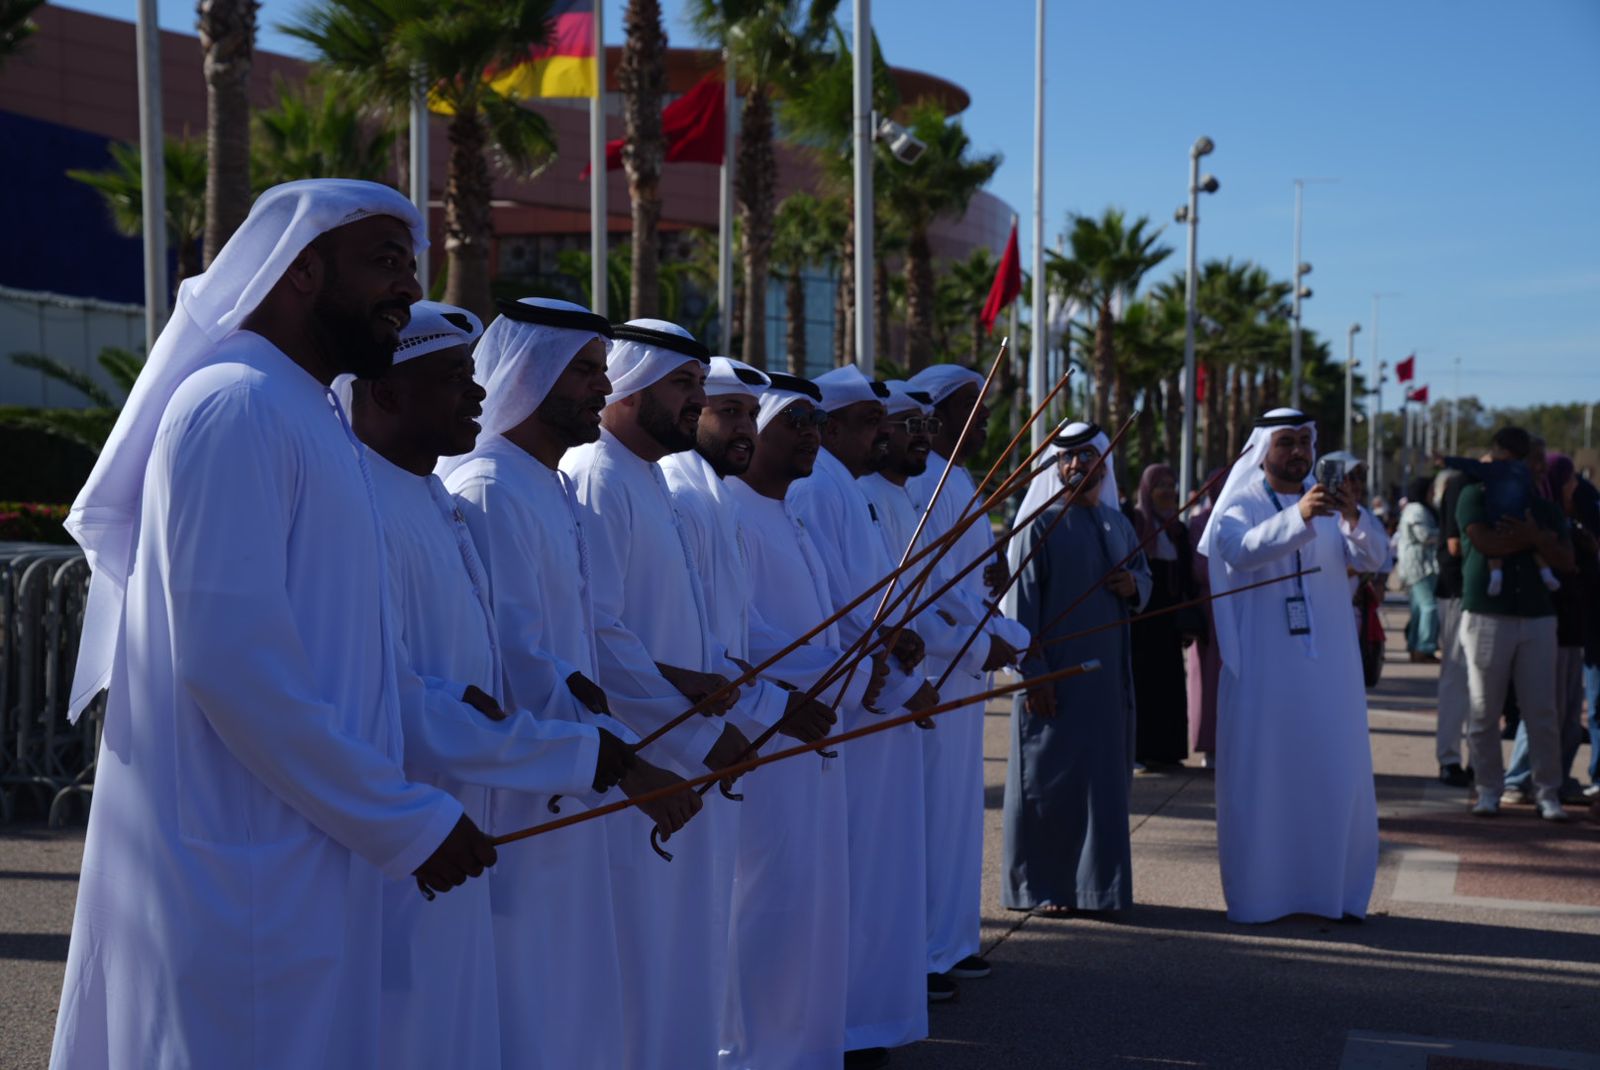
<point x="564" y="66"/>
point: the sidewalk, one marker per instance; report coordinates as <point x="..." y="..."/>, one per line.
<point x="1482" y="951"/>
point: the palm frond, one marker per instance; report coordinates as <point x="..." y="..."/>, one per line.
<point x="54" y="369"/>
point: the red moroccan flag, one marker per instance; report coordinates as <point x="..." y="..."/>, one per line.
<point x="1007" y="282"/>
<point x="693" y="127"/>
<point x="1200" y="378"/>
<point x="1406" y="370"/>
<point x="1419" y="395"/>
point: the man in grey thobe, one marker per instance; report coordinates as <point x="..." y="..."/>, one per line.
<point x="1071" y="765"/>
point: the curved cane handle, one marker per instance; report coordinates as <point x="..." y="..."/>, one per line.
<point x="655" y="845"/>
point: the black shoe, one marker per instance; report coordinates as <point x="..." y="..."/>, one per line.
<point x="971" y="968"/>
<point x="941" y="989"/>
<point x="866" y="1058"/>
<point x="1455" y="776"/>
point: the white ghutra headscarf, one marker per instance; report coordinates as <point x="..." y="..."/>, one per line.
<point x="210" y="306"/>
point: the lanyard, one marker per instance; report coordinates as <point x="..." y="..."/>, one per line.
<point x="1299" y="581"/>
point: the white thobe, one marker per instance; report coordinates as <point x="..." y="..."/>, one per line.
<point x="649" y="608"/>
<point x="785" y="1007"/>
<point x="953" y="755"/>
<point x="559" y="966"/>
<point x="1292" y="716"/>
<point x="249" y="796"/>
<point x="439" y="982"/>
<point x="887" y="996"/>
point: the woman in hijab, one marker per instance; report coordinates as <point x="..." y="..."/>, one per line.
<point x="1161" y="725"/>
<point x="1418" y="539"/>
<point x="1203" y="663"/>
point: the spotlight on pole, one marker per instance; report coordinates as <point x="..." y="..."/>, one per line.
<point x="1203" y="146"/>
<point x="903" y="144"/>
<point x="1305" y="292"/>
<point x="1209" y="184"/>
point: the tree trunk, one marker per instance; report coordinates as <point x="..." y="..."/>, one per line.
<point x="467" y="226"/>
<point x="839" y="313"/>
<point x="642" y="77"/>
<point x="227" y="37"/>
<point x="1252" y="394"/>
<point x="1216" y="444"/>
<point x="1119" y="398"/>
<point x="880" y="310"/>
<point x="1269" y="389"/>
<point x="1174" y="418"/>
<point x="1147" y="437"/>
<point x="920" y="299"/>
<point x="794" y="303"/>
<point x="1103" y="361"/>
<point x="845" y="324"/>
<point x="1235" y="411"/>
<point x="753" y="183"/>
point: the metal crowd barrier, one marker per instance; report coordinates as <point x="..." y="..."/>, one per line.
<point x="43" y="589"/>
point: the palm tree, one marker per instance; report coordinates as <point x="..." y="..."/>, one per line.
<point x="642" y="76"/>
<point x="312" y="132"/>
<point x="773" y="43"/>
<point x="228" y="39"/>
<point x="88" y="427"/>
<point x="374" y="49"/>
<point x="1111" y="258"/>
<point x="963" y="289"/>
<point x="16" y="25"/>
<point x="805" y="233"/>
<point x="121" y="186"/>
<point x="816" y="112"/>
<point x="941" y="184"/>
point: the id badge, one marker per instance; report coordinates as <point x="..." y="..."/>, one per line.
<point x="1299" y="615"/>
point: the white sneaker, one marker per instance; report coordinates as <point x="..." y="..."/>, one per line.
<point x="1486" y="806"/>
<point x="1550" y="810"/>
<point x="1513" y="797"/>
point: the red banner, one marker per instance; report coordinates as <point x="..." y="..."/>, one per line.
<point x="1007" y="283"/>
<point x="693" y="127"/>
<point x="1406" y="370"/>
<point x="1419" y="395"/>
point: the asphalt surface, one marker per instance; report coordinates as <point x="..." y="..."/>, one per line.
<point x="1482" y="951"/>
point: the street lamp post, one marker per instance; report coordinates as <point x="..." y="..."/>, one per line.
<point x="1349" y="387"/>
<point x="1190" y="214"/>
<point x="861" y="140"/>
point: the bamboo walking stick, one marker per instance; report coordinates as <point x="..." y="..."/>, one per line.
<point x="791" y="752"/>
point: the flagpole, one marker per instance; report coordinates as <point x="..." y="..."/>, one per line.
<point x="1040" y="341"/>
<point x="152" y="174"/>
<point x="599" y="250"/>
<point x="725" y="205"/>
<point x="861" y="138"/>
<point x="419" y="163"/>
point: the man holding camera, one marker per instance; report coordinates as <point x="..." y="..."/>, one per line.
<point x="1297" y="819"/>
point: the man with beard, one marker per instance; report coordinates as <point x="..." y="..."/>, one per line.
<point x="1291" y="684"/>
<point x="1071" y="764"/>
<point x="250" y="798"/>
<point x="886" y="994"/>
<point x="953" y="756"/>
<point x="653" y="632"/>
<point x="787" y="946"/>
<point x="439" y="957"/>
<point x="543" y="366"/>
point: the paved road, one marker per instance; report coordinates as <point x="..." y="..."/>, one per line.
<point x="1482" y="952"/>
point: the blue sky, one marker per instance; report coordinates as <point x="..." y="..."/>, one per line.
<point x="1465" y="136"/>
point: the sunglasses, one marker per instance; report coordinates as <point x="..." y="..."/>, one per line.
<point x="919" y="425"/>
<point x="801" y="419"/>
<point x="1084" y="457"/>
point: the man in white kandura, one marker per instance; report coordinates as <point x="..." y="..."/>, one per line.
<point x="785" y="1005"/>
<point x="953" y="760"/>
<point x="654" y="642"/>
<point x="887" y="991"/>
<point x="249" y="794"/>
<point x="543" y="367"/>
<point x="439" y="972"/>
<point x="1291" y="684"/>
